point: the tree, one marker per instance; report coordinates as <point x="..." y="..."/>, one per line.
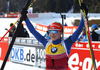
<point x="3" y="5"/>
<point x="40" y="4"/>
<point x="61" y="6"/>
<point x="76" y="6"/>
<point x="50" y="5"/>
<point x="16" y="5"/>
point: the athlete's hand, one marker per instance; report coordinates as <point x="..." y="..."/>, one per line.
<point x="6" y="29"/>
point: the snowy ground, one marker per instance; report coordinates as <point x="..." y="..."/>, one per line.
<point x="43" y="19"/>
<point x="15" y="66"/>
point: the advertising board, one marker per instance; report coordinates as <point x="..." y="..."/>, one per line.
<point x="79" y="58"/>
<point x="23" y="55"/>
<point x="67" y="29"/>
<point x="3" y="47"/>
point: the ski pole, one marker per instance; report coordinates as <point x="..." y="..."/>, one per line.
<point x="88" y="36"/>
<point x="8" y="30"/>
<point x="14" y="37"/>
<point x="15" y="23"/>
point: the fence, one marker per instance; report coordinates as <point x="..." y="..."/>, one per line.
<point x="28" y="51"/>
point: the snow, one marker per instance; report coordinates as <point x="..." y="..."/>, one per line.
<point x="15" y="66"/>
<point x="45" y="19"/>
<point x="71" y="10"/>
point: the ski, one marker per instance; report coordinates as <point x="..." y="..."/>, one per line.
<point x="88" y="36"/>
<point x="14" y="37"/>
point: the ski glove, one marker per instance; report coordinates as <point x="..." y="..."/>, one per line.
<point x="84" y="8"/>
<point x="24" y="14"/>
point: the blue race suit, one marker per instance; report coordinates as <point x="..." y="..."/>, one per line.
<point x="53" y="61"/>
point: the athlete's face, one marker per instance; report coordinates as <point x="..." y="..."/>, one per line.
<point x="54" y="35"/>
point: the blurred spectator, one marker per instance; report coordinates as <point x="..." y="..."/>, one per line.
<point x="26" y="33"/>
<point x="22" y="31"/>
<point x="83" y="36"/>
<point x="98" y="32"/>
<point x="95" y="32"/>
<point x="47" y="33"/>
<point x="65" y="24"/>
<point x="2" y="13"/>
<point x="12" y="31"/>
<point x="99" y="25"/>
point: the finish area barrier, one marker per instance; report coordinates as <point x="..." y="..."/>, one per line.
<point x="3" y="47"/>
<point x="30" y="52"/>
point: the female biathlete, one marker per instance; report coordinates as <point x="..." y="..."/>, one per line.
<point x="57" y="49"/>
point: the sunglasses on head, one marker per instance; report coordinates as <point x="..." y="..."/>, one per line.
<point x="53" y="31"/>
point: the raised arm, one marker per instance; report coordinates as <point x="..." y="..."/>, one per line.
<point x="69" y="41"/>
<point x="76" y="34"/>
<point x="37" y="35"/>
